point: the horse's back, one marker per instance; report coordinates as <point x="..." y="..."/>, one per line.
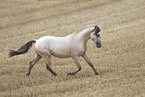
<point x="43" y="41"/>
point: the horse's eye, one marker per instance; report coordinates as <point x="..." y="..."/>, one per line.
<point x="98" y="35"/>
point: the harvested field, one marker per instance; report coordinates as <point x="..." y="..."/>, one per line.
<point x="120" y="61"/>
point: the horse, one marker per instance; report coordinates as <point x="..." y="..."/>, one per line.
<point x="73" y="45"/>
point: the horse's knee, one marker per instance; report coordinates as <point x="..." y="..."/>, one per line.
<point x="31" y="63"/>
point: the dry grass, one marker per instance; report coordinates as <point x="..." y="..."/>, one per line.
<point x="121" y="60"/>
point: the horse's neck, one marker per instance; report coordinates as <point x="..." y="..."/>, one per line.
<point x="83" y="35"/>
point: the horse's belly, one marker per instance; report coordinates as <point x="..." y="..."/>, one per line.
<point x="60" y="53"/>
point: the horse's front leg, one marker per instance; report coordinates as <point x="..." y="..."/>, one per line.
<point x="76" y="59"/>
<point x="85" y="56"/>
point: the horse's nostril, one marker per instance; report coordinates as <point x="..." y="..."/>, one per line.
<point x="98" y="45"/>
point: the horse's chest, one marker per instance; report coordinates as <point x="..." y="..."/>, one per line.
<point x="78" y="49"/>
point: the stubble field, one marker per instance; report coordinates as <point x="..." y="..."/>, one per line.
<point x="120" y="61"/>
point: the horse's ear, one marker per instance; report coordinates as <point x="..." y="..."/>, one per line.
<point x="97" y="29"/>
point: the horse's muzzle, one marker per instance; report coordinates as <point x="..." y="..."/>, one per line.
<point x="98" y="45"/>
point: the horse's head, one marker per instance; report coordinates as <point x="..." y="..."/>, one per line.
<point x="96" y="36"/>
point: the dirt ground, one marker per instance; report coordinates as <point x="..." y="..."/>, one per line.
<point x="120" y="61"/>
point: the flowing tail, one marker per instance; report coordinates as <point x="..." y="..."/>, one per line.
<point x="22" y="50"/>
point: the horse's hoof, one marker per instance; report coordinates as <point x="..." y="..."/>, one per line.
<point x="97" y="73"/>
<point x="27" y="74"/>
<point x="24" y="75"/>
<point x="55" y="75"/>
<point x="69" y="73"/>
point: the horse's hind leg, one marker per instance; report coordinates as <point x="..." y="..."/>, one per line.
<point x="85" y="56"/>
<point x="76" y="59"/>
<point x="32" y="63"/>
<point x="48" y="64"/>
